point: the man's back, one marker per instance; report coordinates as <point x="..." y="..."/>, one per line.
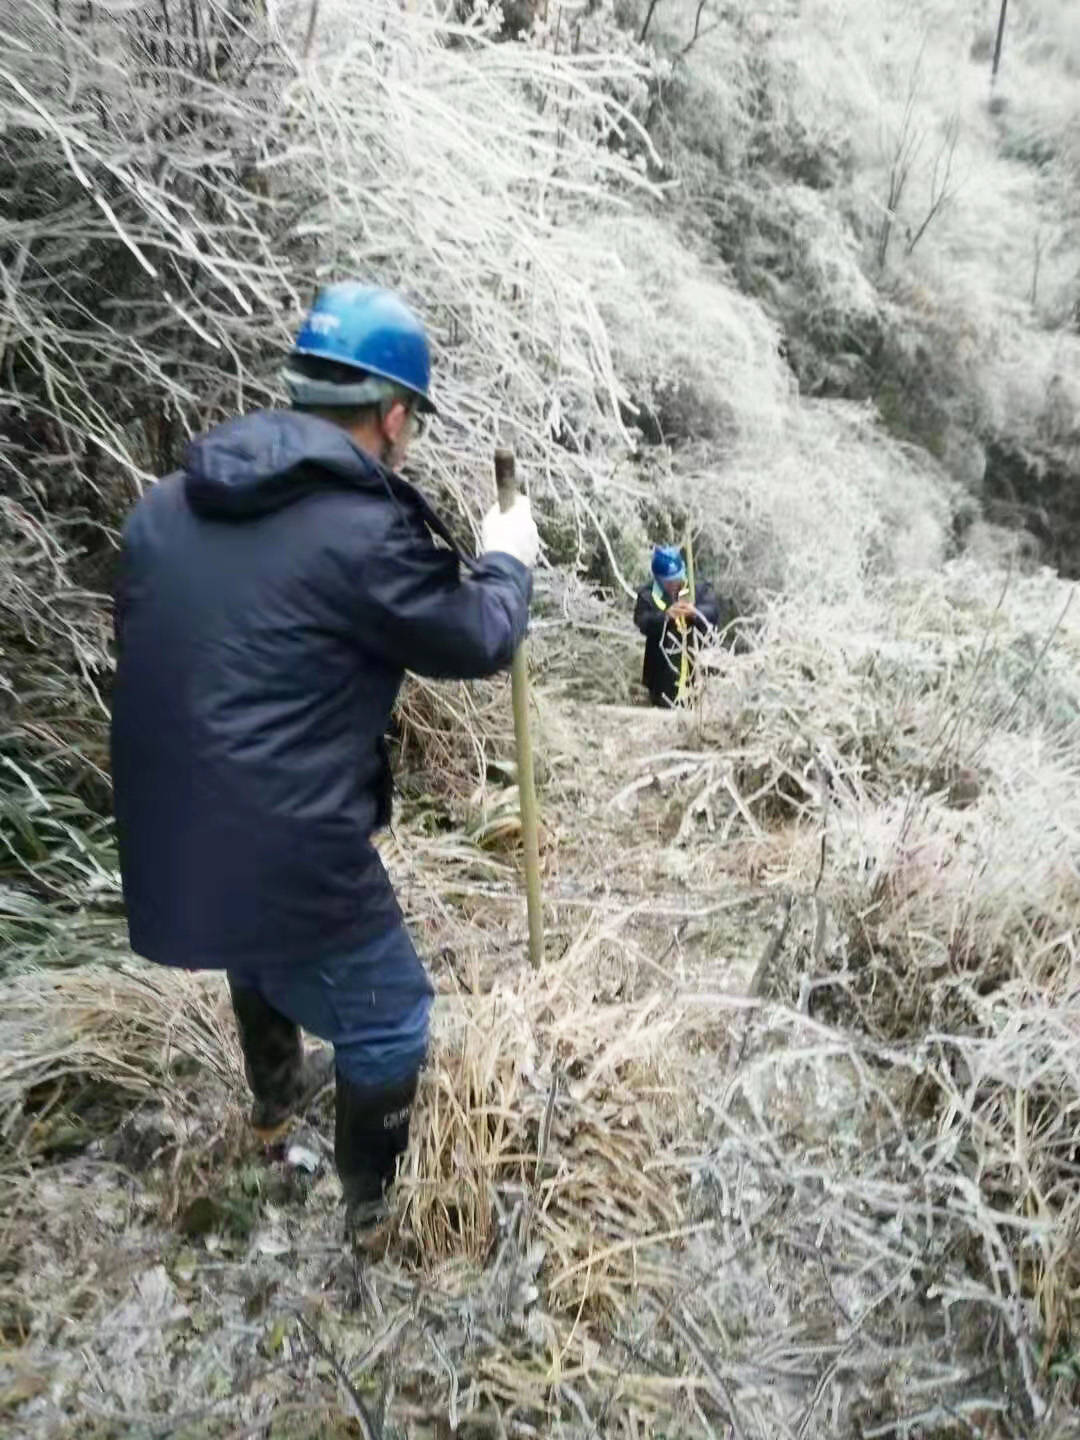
<point x="269" y="600"/>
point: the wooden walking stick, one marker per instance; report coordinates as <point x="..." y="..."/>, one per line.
<point x="506" y="484"/>
<point x="687" y="649"/>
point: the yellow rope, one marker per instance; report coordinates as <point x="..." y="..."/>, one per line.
<point x="660" y="601"/>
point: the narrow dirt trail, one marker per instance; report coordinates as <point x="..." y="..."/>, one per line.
<point x="639" y="835"/>
<point x="643" y="828"/>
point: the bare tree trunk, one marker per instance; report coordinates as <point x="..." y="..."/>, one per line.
<point x="999" y="40"/>
<point x="648" y="21"/>
<point x="697" y="30"/>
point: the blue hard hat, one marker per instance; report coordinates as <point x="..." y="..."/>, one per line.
<point x="372" y="330"/>
<point x="667" y="563"/>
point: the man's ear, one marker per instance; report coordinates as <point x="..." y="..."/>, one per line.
<point x="394" y="422"/>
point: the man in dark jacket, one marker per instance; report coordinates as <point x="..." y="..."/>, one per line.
<point x="672" y="624"/>
<point x="272" y="594"/>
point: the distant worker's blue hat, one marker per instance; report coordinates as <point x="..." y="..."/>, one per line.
<point x="667" y="563"/>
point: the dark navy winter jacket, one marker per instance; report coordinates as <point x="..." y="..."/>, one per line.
<point x="271" y="596"/>
<point x="663" y="642"/>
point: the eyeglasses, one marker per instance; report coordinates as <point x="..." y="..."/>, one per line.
<point x="415" y="422"/>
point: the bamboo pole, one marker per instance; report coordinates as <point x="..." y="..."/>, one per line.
<point x="687" y="649"/>
<point x="506" y="485"/>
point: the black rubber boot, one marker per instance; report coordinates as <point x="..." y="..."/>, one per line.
<point x="371" y="1129"/>
<point x="283" y="1080"/>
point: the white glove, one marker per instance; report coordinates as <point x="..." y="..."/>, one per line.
<point x="511" y="532"/>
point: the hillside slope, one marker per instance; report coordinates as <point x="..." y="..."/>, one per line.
<point x="778" y="1136"/>
<point x="782" y="1138"/>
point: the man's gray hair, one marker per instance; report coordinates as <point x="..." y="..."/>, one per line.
<point x="370" y="392"/>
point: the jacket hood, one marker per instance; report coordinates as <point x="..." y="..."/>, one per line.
<point x="265" y="461"/>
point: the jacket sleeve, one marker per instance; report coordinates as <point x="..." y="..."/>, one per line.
<point x="648" y="617"/>
<point x="421" y="610"/>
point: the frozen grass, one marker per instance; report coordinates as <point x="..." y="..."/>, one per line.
<point x="712" y="1167"/>
<point x="782" y="1141"/>
<point x="177" y="178"/>
<point x="804" y="136"/>
<point x="270" y="186"/>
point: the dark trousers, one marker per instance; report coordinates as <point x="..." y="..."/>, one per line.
<point x="373" y="1008"/>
